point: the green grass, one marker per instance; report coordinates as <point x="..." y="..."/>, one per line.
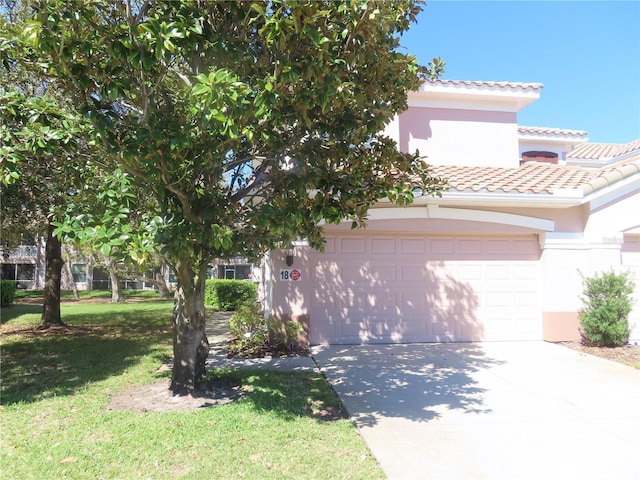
<point x="86" y="294"/>
<point x="55" y="420"/>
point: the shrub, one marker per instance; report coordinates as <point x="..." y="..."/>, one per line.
<point x="227" y="295"/>
<point x="606" y="305"/>
<point x="283" y="337"/>
<point x="248" y="328"/>
<point x="253" y="337"/>
<point x="7" y="292"/>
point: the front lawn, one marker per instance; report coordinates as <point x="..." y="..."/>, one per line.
<point x="56" y="421"/>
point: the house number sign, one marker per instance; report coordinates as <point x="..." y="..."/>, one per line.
<point x="290" y="275"/>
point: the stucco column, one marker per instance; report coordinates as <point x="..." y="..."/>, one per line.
<point x="290" y="287"/>
<point x="566" y="258"/>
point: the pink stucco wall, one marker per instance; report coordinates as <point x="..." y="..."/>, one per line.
<point x="458" y="136"/>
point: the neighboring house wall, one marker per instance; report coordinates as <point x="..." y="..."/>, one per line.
<point x="25" y="264"/>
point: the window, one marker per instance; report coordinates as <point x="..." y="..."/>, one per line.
<point x="79" y="271"/>
<point x="100" y="280"/>
<point x="543" y="157"/>
<point x="234" y="272"/>
<point x="23" y="273"/>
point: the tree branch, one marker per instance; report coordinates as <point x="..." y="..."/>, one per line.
<point x="259" y="177"/>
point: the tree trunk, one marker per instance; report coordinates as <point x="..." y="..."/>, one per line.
<point x="162" y="284"/>
<point x="53" y="273"/>
<point x="67" y="263"/>
<point x="190" y="344"/>
<point x="157" y="281"/>
<point x="116" y="290"/>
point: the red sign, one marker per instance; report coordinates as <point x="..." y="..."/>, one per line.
<point x="295" y="275"/>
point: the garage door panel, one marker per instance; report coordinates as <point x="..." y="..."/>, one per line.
<point x="469" y="272"/>
<point x="411" y="303"/>
<point x="425" y="289"/>
<point x="411" y="246"/>
<point x="499" y="272"/>
<point x="383" y="245"/>
<point x="412" y="273"/>
<point x="352" y="245"/>
<point x="441" y="246"/>
<point x="499" y="247"/>
<point x="526" y="299"/>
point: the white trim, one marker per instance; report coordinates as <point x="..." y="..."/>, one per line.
<point x="472" y="98"/>
<point x="437" y="212"/>
<point x="557" y="200"/>
<point x="578" y="241"/>
<point x="605" y="195"/>
<point x="535" y="223"/>
<point x="267" y="284"/>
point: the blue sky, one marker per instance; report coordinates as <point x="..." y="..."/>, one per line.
<point x="586" y="54"/>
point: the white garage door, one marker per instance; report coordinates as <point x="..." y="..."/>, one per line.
<point x="389" y="289"/>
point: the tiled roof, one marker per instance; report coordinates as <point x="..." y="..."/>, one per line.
<point x="551" y="131"/>
<point x="533" y="177"/>
<point x="597" y="151"/>
<point x="499" y="85"/>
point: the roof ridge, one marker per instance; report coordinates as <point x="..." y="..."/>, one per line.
<point x="488" y="83"/>
<point x="561" y="131"/>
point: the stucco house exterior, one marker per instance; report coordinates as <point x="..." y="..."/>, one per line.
<point x="498" y="257"/>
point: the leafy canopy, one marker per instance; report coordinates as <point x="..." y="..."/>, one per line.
<point x="251" y="123"/>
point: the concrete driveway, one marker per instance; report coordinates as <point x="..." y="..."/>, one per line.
<point x="513" y="410"/>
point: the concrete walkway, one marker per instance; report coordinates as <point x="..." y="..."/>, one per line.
<point x="525" y="410"/>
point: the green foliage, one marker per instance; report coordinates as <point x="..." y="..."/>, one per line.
<point x="226" y="295"/>
<point x="229" y="113"/>
<point x="108" y="218"/>
<point x="606" y="305"/>
<point x="253" y="335"/>
<point x="283" y="336"/>
<point x="7" y="292"/>
<point x="249" y="329"/>
<point x="252" y="106"/>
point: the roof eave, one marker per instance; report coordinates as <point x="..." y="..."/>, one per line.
<point x="598" y="192"/>
<point x="562" y="199"/>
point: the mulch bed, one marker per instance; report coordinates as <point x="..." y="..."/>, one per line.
<point x="156" y="397"/>
<point x="626" y="354"/>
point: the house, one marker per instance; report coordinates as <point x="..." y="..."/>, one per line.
<point x="25" y="264"/>
<point x="500" y="256"/>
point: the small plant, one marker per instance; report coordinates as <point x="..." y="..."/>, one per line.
<point x="606" y="305"/>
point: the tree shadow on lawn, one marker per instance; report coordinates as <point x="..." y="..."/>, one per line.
<point x="16" y="310"/>
<point x="419" y="382"/>
<point x="43" y="363"/>
<point x="289" y="395"/>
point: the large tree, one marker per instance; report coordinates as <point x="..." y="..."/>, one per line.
<point x="41" y="148"/>
<point x="250" y="122"/>
<point x="36" y="135"/>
